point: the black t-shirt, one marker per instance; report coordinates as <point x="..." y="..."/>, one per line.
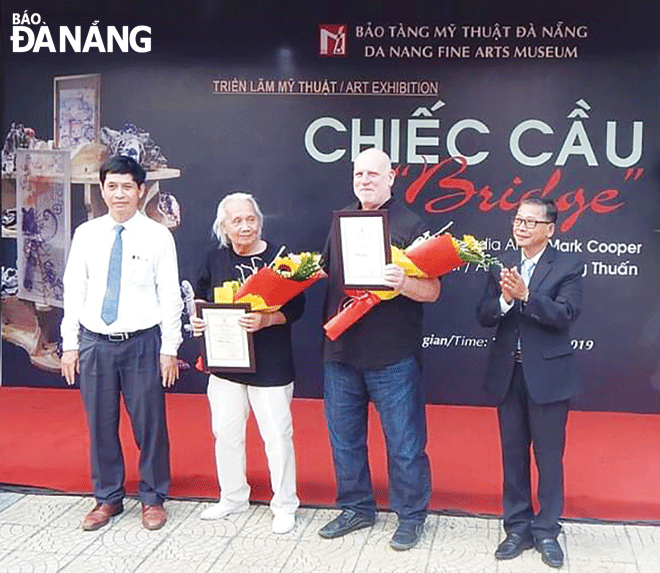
<point x="390" y="331"/>
<point x="272" y="345"/>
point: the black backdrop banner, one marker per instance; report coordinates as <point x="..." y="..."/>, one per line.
<point x="476" y="104"/>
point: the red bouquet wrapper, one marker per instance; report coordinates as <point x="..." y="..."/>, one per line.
<point x="200" y="366"/>
<point x="359" y="304"/>
<point x="274" y="289"/>
<point x="436" y="256"/>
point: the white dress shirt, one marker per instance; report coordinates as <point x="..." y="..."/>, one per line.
<point x="507" y="306"/>
<point x="149" y="292"/>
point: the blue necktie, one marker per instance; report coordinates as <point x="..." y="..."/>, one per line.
<point x="111" y="298"/>
<point x="527" y="270"/>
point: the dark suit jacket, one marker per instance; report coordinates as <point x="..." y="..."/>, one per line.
<point x="555" y="297"/>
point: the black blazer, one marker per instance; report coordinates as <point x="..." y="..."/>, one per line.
<point x="542" y="325"/>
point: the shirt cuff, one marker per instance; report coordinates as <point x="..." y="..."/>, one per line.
<point x="70" y="342"/>
<point x="504" y="305"/>
<point x="169" y="349"/>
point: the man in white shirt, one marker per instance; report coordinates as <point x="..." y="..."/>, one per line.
<point x="121" y="331"/>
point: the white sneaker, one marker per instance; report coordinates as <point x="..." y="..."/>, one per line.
<point x="221" y="510"/>
<point x="284" y="522"/>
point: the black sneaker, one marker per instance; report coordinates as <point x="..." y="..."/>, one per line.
<point x="346" y="522"/>
<point x="406" y="535"/>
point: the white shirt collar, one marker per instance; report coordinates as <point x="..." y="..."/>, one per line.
<point x="111" y="223"/>
<point x="535" y="259"/>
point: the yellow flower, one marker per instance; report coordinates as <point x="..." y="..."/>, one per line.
<point x="471" y="243"/>
<point x="285" y="266"/>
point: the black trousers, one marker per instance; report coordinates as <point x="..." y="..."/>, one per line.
<point x="523" y="422"/>
<point x="132" y="368"/>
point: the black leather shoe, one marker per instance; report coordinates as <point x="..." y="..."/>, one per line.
<point x="406" y="535"/>
<point x="512" y="546"/>
<point x="347" y="521"/>
<point x="551" y="552"/>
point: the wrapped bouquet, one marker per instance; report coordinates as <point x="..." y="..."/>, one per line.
<point x="269" y="288"/>
<point x="429" y="256"/>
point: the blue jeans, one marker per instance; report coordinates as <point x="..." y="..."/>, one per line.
<point x="396" y="391"/>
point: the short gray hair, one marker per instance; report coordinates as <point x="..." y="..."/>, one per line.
<point x="222" y="214"/>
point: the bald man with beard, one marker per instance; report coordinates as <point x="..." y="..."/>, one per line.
<point x="378" y="359"/>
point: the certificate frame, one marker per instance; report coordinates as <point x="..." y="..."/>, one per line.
<point x="76" y="110"/>
<point x="223" y="335"/>
<point x="363" y="242"/>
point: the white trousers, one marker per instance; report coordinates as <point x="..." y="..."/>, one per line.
<point x="230" y="404"/>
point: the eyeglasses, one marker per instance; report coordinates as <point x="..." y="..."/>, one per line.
<point x="527" y="223"/>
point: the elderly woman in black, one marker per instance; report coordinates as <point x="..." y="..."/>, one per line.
<point x="269" y="390"/>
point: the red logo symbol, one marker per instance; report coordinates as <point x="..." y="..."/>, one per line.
<point x="332" y="39"/>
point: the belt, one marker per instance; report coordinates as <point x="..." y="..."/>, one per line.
<point x="117" y="336"/>
<point x="518" y="355"/>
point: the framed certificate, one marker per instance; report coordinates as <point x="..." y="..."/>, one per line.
<point x="363" y="241"/>
<point x="228" y="347"/>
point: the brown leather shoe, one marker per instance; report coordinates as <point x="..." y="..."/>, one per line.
<point x="153" y="516"/>
<point x="100" y="515"/>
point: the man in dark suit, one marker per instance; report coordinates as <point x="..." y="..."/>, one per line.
<point x="532" y="374"/>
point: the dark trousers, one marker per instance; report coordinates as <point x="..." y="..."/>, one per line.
<point x="396" y="391"/>
<point x="523" y="422"/>
<point x="132" y="368"/>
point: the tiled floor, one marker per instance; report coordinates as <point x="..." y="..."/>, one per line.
<point x="41" y="533"/>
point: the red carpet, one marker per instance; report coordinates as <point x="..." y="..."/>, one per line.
<point x="612" y="459"/>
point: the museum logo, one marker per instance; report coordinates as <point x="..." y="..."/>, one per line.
<point x="31" y="34"/>
<point x="332" y="39"/>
